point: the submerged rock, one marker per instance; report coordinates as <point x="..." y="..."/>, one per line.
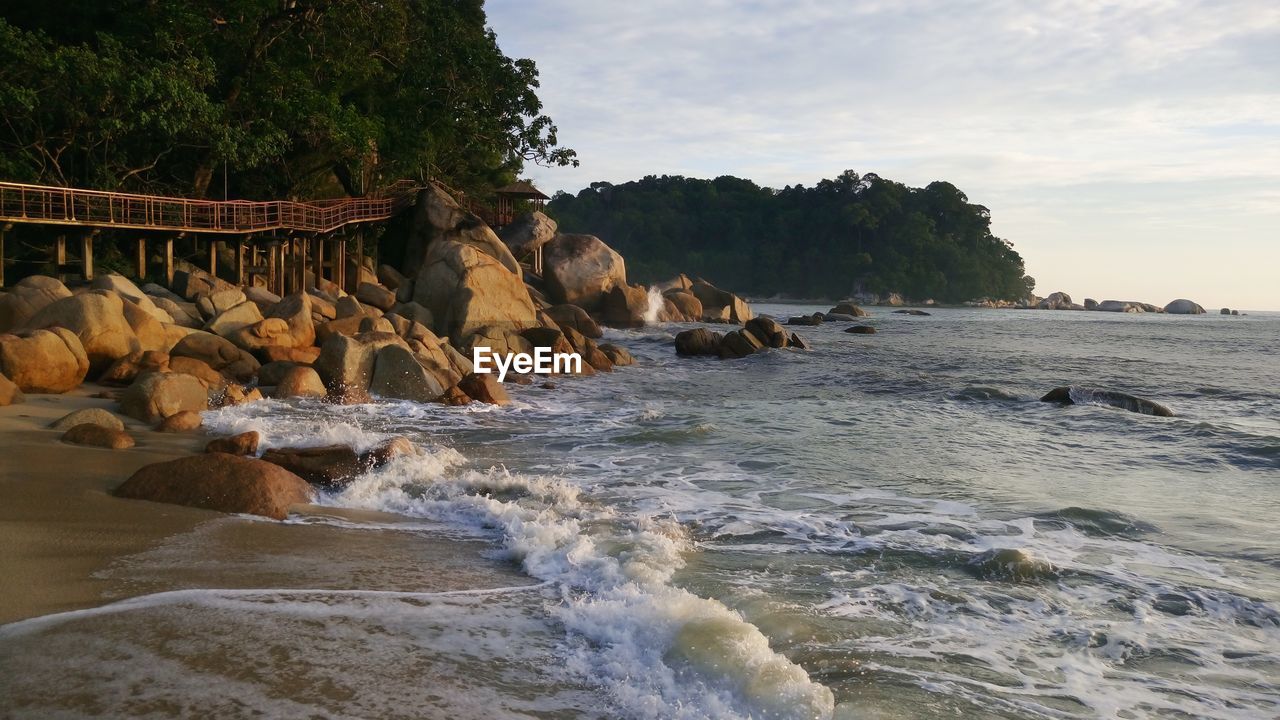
<point x="1072" y="395"/>
<point x="860" y="330"/>
<point x="1011" y="564"/>
<point x="911" y="312"/>
<point x="96" y="435"/>
<point x="847" y="309"/>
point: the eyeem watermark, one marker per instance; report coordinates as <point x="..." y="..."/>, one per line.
<point x="542" y="362"/>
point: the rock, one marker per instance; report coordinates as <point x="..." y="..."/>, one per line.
<point x="455" y="397"/>
<point x="270" y="373"/>
<point x="348" y="326"/>
<point x="90" y="416"/>
<point x="485" y="388"/>
<point x="184" y="314"/>
<point x="1183" y="306"/>
<point x="155" y="396"/>
<point x="594" y="357"/>
<point x="227" y="322"/>
<point x="1090" y="304"/>
<point x="98" y="436"/>
<point x="860" y="330"/>
<point x="580" y="270"/>
<point x="920" y="313"/>
<point x="212" y="379"/>
<point x="1235" y="312"/>
<point x="551" y="338"/>
<point x="797" y="342"/>
<point x="151" y="333"/>
<point x="124" y="287"/>
<point x="1055" y="301"/>
<point x="527" y="233"/>
<point x="346" y="363"/>
<point x="438" y="221"/>
<point x="191" y="284"/>
<point x="375" y="296"/>
<point x="245" y="443"/>
<point x="414" y="312"/>
<point x="390" y="278"/>
<point x="398" y="374"/>
<point x="698" y="341"/>
<point x="739" y="344"/>
<point x="806" y="320"/>
<point x="687" y="305"/>
<point x="126" y="369"/>
<point x="1120" y="306"/>
<point x="218" y="353"/>
<point x="376" y="325"/>
<point x="300" y="381"/>
<point x="268" y="332"/>
<point x="298" y="356"/>
<point x="1011" y="564"/>
<point x="97" y="318"/>
<point x="182" y="421"/>
<point x="619" y="356"/>
<point x="29" y="296"/>
<point x="386" y="451"/>
<point x="894" y="299"/>
<point x="465" y="289"/>
<point x="332" y="467"/>
<point x="220" y="301"/>
<point x="217" y="481"/>
<point x="234" y="394"/>
<point x="262" y="297"/>
<point x="715" y="301"/>
<point x="43" y="361"/>
<point x="768" y="331"/>
<point x="572" y="316"/>
<point x="625" y="306"/>
<point x="1224" y="311"/>
<point x="10" y="393"/>
<point x="848" y="309"/>
<point x="1073" y="395"/>
<point x="296" y="310"/>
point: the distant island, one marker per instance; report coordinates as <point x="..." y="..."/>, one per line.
<point x="855" y="235"/>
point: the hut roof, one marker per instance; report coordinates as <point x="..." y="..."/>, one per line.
<point x="523" y="189"/>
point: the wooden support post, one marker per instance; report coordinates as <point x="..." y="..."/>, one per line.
<point x="317" y="262"/>
<point x="142" y="259"/>
<point x="359" y="258"/>
<point x="213" y="257"/>
<point x="240" y="262"/>
<point x="271" y="268"/>
<point x="168" y="261"/>
<point x="60" y="257"/>
<point x="4" y="230"/>
<point x="86" y="256"/>
<point x="340" y="265"/>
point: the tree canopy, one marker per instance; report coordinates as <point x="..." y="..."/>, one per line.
<point x="303" y="98"/>
<point x="843" y="235"/>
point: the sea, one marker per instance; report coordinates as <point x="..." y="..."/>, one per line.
<point x="887" y="525"/>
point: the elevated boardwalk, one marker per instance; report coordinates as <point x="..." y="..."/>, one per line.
<point x="276" y="238"/>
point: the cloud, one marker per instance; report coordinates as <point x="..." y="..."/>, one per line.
<point x="1128" y="108"/>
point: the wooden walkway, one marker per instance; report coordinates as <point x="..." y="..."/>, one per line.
<point x="278" y="239"/>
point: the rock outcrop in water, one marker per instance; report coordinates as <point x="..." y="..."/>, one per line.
<point x="759" y="334"/>
<point x="216" y="481"/>
<point x="1072" y="395"/>
<point x="1183" y="307"/>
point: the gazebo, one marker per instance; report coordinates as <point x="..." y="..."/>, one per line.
<point x="507" y="197"/>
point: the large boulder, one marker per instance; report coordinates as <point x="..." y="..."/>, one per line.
<point x="297" y="311"/>
<point x="581" y="270"/>
<point x="465" y="289"/>
<point x="245" y="443"/>
<point x="216" y="481"/>
<point x="485" y="388"/>
<point x="238" y="316"/>
<point x="1055" y="301"/>
<point x="155" y="396"/>
<point x="218" y="353"/>
<point x="98" y="319"/>
<point x="90" y="416"/>
<point x="346" y="363"/>
<point x="739" y="343"/>
<point x="686" y="304"/>
<point x="192" y="283"/>
<point x="528" y="232"/>
<point x="44" y="361"/>
<point x="1183" y="307"/>
<point x="268" y="332"/>
<point x="26" y="298"/>
<point x="10" y="393"/>
<point x="849" y="309"/>
<point x="439" y="219"/>
<point x="1073" y="395"/>
<point x="152" y="334"/>
<point x="719" y="304"/>
<point x="331" y="467"/>
<point x="575" y="318"/>
<point x="398" y="374"/>
<point x="375" y="295"/>
<point x="199" y="369"/>
<point x="300" y="381"/>
<point x="1123" y="306"/>
<point x="625" y="306"/>
<point x="768" y="331"/>
<point x="125" y="288"/>
<point x="698" y="341"/>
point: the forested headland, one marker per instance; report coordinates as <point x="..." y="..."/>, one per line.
<point x="841" y="236"/>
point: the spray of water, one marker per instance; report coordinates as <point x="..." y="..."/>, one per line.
<point x="655" y="306"/>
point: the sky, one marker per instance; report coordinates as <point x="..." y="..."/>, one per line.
<point x="1129" y="150"/>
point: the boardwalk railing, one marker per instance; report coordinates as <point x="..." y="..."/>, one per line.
<point x="95" y="208"/>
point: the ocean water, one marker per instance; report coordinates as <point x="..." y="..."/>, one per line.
<point x="886" y="526"/>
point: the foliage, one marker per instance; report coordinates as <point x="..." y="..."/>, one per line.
<point x="287" y="97"/>
<point x="841" y="236"/>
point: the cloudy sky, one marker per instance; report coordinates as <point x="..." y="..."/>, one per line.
<point x="1129" y="150"/>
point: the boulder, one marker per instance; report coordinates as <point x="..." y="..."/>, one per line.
<point x="270" y="373"/>
<point x="227" y="322"/>
<point x="860" y="330"/>
<point x="797" y="342"/>
<point x="184" y="314"/>
<point x="1055" y="301"/>
<point x="220" y="301"/>
<point x="1183" y="306"/>
<point x="414" y="312"/>
<point x="698" y="341"/>
<point x="594" y="357"/>
<point x="97" y="318"/>
<point x="484" y="387"/>
<point x="625" y="306"/>
<point x="528" y="232"/>
<point x="124" y="287"/>
<point x="43" y="361"/>
<point x="920" y="313"/>
<point x="581" y="269"/>
<point x="739" y="344"/>
<point x="151" y="333"/>
<point x="346" y="363"/>
<point x="500" y="341"/>
<point x="768" y="331"/>
<point x="381" y="324"/>
<point x="714" y="301"/>
<point x="1090" y="304"/>
<point x="349" y="325"/>
<point x="98" y="436"/>
<point x="465" y="289"/>
<point x="806" y="320"/>
<point x="398" y="374"/>
<point x="268" y="332"/>
<point x="687" y="305"/>
<point x="390" y="278"/>
<point x="262" y="297"/>
<point x="1120" y="306"/>
<point x="218" y="353"/>
<point x="1224" y="311"/>
<point x="10" y="393"/>
<point x="297" y="310"/>
<point x="848" y="309"/>
<point x="192" y="283"/>
<point x="199" y="369"/>
<point x="375" y="295"/>
<point x="300" y="381"/>
<point x="439" y="220"/>
<point x="235" y="394"/>
<point x="216" y="481"/>
<point x="619" y="356"/>
<point x="332" y="467"/>
<point x="245" y="443"/>
<point x="1072" y="395"/>
<point x="298" y="356"/>
<point x="182" y="421"/>
<point x="572" y="316"/>
<point x="156" y="396"/>
<point x="27" y="297"/>
<point x="89" y="416"/>
<point x="126" y="369"/>
<point x="838" y="317"/>
<point x="893" y="300"/>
